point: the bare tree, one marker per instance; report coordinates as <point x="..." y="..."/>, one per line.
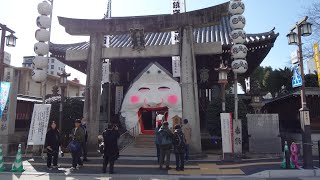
<point x="313" y="12"/>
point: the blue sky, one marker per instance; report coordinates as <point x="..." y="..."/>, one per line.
<point x="262" y="16"/>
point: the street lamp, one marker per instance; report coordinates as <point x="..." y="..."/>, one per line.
<point x="63" y="85"/>
<point x="223" y="80"/>
<point x="11" y="42"/>
<point x="303" y="28"/>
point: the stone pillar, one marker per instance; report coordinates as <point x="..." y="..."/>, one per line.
<point x="93" y="89"/>
<point x="7" y="129"/>
<point x="189" y="87"/>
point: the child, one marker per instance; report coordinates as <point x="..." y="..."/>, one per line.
<point x="179" y="143"/>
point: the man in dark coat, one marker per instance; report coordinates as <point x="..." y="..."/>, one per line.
<point x="52" y="144"/>
<point x="84" y="144"/>
<point x="111" y="150"/>
<point x="165" y="142"/>
<point x="179" y="142"/>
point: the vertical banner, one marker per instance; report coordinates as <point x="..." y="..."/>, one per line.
<point x="226" y="132"/>
<point x="317" y="60"/>
<point x="39" y="124"/>
<point x="176" y="70"/>
<point x="118" y="99"/>
<point x="105" y="72"/>
<point x="4" y="94"/>
<point x="177" y="6"/>
<point x="237" y="136"/>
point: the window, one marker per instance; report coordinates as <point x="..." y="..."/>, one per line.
<point x="52" y="66"/>
<point x="58" y="68"/>
<point x="52" y="60"/>
<point x="51" y="72"/>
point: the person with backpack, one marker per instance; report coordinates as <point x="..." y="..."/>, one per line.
<point x="78" y="137"/>
<point x="165" y="143"/>
<point x="179" y="142"/>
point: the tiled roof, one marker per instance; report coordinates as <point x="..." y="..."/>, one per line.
<point x="217" y="33"/>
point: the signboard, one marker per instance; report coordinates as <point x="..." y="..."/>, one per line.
<point x="7" y="58"/>
<point x="304" y="119"/>
<point x="105" y="72"/>
<point x="317" y="60"/>
<point x="296" y="79"/>
<point x="39" y="124"/>
<point x="176" y="70"/>
<point x="226" y="132"/>
<point x="119" y="97"/>
<point x="294" y="57"/>
<point x="4" y="94"/>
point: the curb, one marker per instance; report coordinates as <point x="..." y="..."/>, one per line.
<point x="287" y="173"/>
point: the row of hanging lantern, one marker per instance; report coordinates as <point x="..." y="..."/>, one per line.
<point x="238" y="36"/>
<point x="41" y="48"/>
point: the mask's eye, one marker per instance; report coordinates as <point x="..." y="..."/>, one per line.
<point x="143" y="89"/>
<point x="163" y="88"/>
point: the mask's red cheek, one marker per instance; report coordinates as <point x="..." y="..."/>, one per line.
<point x="134" y="99"/>
<point x="173" y="99"/>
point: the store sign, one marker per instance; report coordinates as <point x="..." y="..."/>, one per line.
<point x="176" y="70"/>
<point x="119" y="98"/>
<point x="39" y="124"/>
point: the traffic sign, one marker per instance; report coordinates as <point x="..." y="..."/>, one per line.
<point x="296" y="79"/>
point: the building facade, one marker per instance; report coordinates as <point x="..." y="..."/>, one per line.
<point x="54" y="65"/>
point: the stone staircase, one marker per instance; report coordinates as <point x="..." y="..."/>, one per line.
<point x="145" y="141"/>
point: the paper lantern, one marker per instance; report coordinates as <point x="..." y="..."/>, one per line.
<point x="236" y="7"/>
<point x="239" y="51"/>
<point x="239" y="66"/>
<point x="238" y="36"/>
<point x="43" y="22"/>
<point x="237" y="22"/>
<point x="44" y="8"/>
<point x="39" y="75"/>
<point x="41" y="48"/>
<point x="42" y="35"/>
<point x="40" y="62"/>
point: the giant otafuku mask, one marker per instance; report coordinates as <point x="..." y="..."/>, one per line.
<point x="154" y="88"/>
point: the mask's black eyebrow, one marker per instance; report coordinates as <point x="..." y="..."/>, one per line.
<point x="144" y="88"/>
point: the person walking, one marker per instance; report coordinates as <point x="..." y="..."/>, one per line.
<point x="111" y="149"/>
<point x="52" y="144"/>
<point x="187" y="130"/>
<point x="156" y="132"/>
<point x="78" y="137"/>
<point x="179" y="143"/>
<point x="84" y="144"/>
<point x="165" y="143"/>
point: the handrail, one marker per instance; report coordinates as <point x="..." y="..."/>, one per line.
<point x="132" y="132"/>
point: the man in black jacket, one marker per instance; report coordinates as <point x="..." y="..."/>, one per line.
<point x="111" y="150"/>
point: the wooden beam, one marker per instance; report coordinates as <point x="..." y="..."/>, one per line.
<point x="150" y="51"/>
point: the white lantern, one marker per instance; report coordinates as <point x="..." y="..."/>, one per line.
<point x="41" y="48"/>
<point x="43" y="22"/>
<point x="39" y="75"/>
<point x="40" y="62"/>
<point x="237" y="22"/>
<point x="44" y="8"/>
<point x="239" y="51"/>
<point x="238" y="36"/>
<point x="236" y="7"/>
<point x="239" y="66"/>
<point x="42" y="35"/>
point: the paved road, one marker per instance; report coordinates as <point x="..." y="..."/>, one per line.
<point x="124" y="177"/>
